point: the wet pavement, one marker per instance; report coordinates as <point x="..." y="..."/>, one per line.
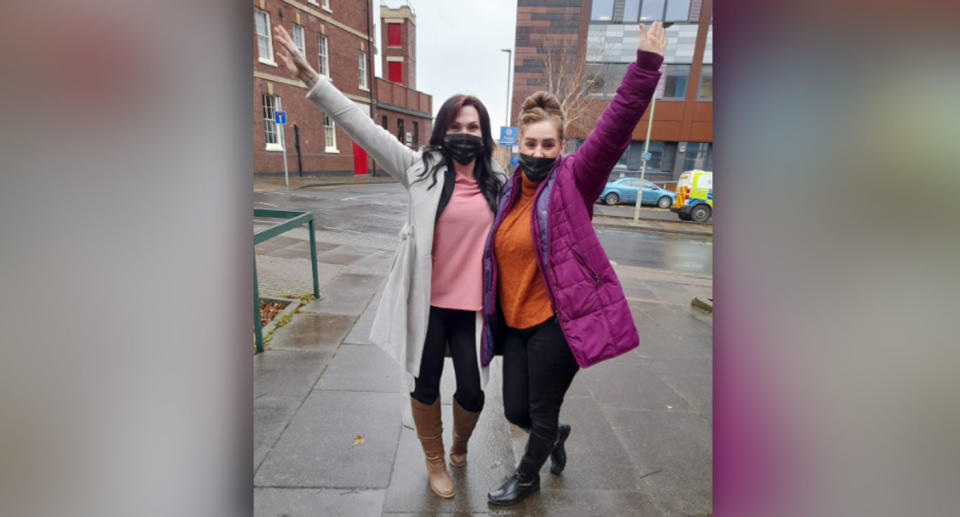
<point x="328" y="405"/>
<point x="681" y="253"/>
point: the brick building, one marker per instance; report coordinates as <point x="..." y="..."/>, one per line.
<point x="401" y="109"/>
<point x="337" y="38"/>
<point x="591" y="42"/>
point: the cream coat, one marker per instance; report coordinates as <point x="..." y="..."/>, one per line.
<point x="400" y="324"/>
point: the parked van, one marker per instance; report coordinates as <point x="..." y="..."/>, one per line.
<point x="694" y="199"/>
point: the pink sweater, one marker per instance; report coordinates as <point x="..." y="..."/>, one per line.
<point x="458" y="239"/>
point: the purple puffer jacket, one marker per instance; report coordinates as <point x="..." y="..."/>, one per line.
<point x="582" y="286"/>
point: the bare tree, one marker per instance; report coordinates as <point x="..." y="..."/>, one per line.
<point x="565" y="76"/>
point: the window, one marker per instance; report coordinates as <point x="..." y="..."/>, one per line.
<point x="705" y="93"/>
<point x="677" y="11"/>
<point x="362" y="69"/>
<point x="631" y="10"/>
<point x="652" y="10"/>
<point x="298" y="39"/>
<point x="384" y="123"/>
<point x="698" y="156"/>
<point x="323" y="56"/>
<point x="602" y="11"/>
<point x="314" y="2"/>
<point x="329" y="135"/>
<point x="602" y="79"/>
<point x="271" y="104"/>
<point x="393" y="35"/>
<point x="264" y="41"/>
<point x="675" y="81"/>
<point x="400" y="129"/>
<point x="395" y="71"/>
<point x="416" y="134"/>
<point x="326" y="4"/>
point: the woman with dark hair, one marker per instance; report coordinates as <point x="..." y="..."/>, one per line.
<point x="552" y="302"/>
<point x="432" y="297"/>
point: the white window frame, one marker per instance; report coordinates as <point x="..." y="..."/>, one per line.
<point x="268" y="121"/>
<point x="323" y="55"/>
<point x="257" y="15"/>
<point x="362" y="70"/>
<point x="326" y="6"/>
<point x="329" y="135"/>
<point x="314" y="2"/>
<point x="301" y="40"/>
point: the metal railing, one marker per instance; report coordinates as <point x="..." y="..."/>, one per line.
<point x="292" y="220"/>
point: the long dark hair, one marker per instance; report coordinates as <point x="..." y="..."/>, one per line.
<point x="482" y="171"/>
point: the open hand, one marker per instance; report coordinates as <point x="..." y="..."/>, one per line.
<point x="653" y="39"/>
<point x="290" y="56"/>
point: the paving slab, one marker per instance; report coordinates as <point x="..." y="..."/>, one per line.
<point x="281" y="380"/>
<point x="692" y="379"/>
<point x="358" y="283"/>
<point x="342" y="255"/>
<point x="620" y="384"/>
<point x="579" y="503"/>
<point x="349" y="303"/>
<point x="489" y="460"/>
<point x="276" y="243"/>
<point x="287" y="373"/>
<point x="596" y="460"/>
<point x="270" y="418"/>
<point x="317" y="450"/>
<point x="312" y="331"/>
<point x="360" y="333"/>
<point x="361" y="368"/>
<point x="677" y="446"/>
<point x="303" y="502"/>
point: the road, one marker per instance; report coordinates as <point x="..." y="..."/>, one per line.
<point x="378" y="210"/>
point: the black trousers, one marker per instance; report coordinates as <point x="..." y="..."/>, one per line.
<point x="538" y="367"/>
<point x="458" y="329"/>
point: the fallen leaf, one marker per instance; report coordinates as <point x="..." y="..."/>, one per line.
<point x="669" y="407"/>
<point x="358" y="439"/>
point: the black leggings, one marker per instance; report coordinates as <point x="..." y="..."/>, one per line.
<point x="457" y="328"/>
<point x="538" y="367"/>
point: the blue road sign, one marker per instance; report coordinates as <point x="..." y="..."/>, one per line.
<point x="508" y="135"/>
<point x="514" y="161"/>
<point x="280" y="117"/>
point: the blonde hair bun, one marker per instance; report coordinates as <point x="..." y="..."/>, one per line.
<point x="541" y="106"/>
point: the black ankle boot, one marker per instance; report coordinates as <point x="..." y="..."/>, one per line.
<point x="515" y="489"/>
<point x="526" y="480"/>
<point x="558" y="457"/>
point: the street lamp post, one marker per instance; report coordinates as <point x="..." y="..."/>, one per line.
<point x="646" y="149"/>
<point x="646" y="152"/>
<point x="506" y="121"/>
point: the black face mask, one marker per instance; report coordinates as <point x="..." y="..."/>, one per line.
<point x="535" y="169"/>
<point x="462" y="147"/>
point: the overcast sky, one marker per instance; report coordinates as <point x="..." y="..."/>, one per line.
<point x="458" y="50"/>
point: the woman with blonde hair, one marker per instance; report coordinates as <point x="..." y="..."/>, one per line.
<point x="552" y="302"/>
<point x="432" y="298"/>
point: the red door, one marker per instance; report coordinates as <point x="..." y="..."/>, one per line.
<point x="359" y="159"/>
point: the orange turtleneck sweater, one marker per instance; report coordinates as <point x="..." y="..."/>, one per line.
<point x="523" y="297"/>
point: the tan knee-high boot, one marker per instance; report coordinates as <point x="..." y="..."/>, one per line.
<point x="430" y="431"/>
<point x="463" y="423"/>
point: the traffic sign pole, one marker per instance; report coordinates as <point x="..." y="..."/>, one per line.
<point x="280" y="117"/>
<point x="283" y="145"/>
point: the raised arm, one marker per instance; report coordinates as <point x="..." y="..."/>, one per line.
<point x="393" y="156"/>
<point x="612" y="134"/>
